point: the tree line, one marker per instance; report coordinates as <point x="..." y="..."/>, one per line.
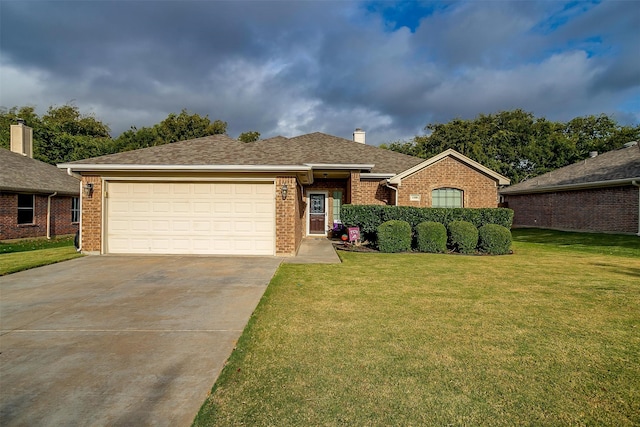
<point x="514" y="143"/>
<point x="65" y="134"/>
<point x="519" y="145"/>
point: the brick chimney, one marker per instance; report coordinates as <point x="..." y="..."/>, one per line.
<point x="359" y="136"/>
<point x="22" y="139"/>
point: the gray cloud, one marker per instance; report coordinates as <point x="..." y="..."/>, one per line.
<point x="293" y="67"/>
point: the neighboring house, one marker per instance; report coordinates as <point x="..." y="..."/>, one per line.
<point x="600" y="193"/>
<point x="36" y="199"/>
<point x="217" y="195"/>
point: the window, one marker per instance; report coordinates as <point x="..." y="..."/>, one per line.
<point x="75" y="209"/>
<point x="26" y="204"/>
<point x="446" y="198"/>
<point x="337" y="204"/>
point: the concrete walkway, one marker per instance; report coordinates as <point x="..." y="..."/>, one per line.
<point x="314" y="250"/>
<point x="121" y="340"/>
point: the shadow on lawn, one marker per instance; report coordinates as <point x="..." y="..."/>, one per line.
<point x="620" y="269"/>
<point x="568" y="238"/>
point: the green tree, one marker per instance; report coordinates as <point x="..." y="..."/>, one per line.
<point x="63" y="134"/>
<point x="517" y="144"/>
<point x="250" y="136"/>
<point x="176" y="127"/>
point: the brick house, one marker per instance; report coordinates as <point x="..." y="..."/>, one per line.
<point x="36" y="199"/>
<point x="216" y="195"/>
<point x="599" y="194"/>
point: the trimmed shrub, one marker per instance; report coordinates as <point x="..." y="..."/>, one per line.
<point x="394" y="236"/>
<point x="369" y="217"/>
<point x="463" y="237"/>
<point x="431" y="237"/>
<point x="494" y="239"/>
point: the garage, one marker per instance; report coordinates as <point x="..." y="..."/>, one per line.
<point x="208" y="218"/>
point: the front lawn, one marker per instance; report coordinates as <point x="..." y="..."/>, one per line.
<point x="547" y="336"/>
<point x="24" y="255"/>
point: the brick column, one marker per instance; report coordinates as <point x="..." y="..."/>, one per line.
<point x="286" y="226"/>
<point x="92" y="216"/>
<point x="354" y="188"/>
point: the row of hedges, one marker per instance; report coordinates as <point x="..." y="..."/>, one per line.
<point x="369" y="217"/>
<point x="434" y="237"/>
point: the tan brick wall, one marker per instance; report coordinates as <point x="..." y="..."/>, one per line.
<point x="603" y="209"/>
<point x="479" y="190"/>
<point x="92" y="216"/>
<point x="353" y="189"/>
<point x="300" y="225"/>
<point x="288" y="228"/>
<point x="374" y="192"/>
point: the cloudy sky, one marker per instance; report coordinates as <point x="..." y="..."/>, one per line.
<point x="293" y="67"/>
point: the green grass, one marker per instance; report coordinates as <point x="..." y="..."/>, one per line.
<point x="547" y="336"/>
<point x="34" y="244"/>
<point x="18" y="257"/>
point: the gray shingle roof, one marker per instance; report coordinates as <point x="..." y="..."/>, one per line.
<point x="222" y="150"/>
<point x="614" y="166"/>
<point x="20" y="173"/>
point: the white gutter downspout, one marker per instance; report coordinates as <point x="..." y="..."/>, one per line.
<point x="49" y="215"/>
<point x="637" y="184"/>
<point x="386" y="184"/>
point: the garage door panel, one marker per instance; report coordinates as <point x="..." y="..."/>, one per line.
<point x="191" y="218"/>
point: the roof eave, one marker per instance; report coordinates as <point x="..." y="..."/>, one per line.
<point x="337" y="166"/>
<point x="370" y="175"/>
<point x="182" y="168"/>
<point x="9" y="189"/>
<point x="568" y="187"/>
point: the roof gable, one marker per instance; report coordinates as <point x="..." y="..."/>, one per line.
<point x="20" y="173"/>
<point x="502" y="180"/>
<point x="615" y="167"/>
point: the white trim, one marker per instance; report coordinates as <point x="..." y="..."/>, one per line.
<point x="103" y="217"/>
<point x="577" y="186"/>
<point x="369" y="175"/>
<point x="165" y="178"/>
<point x="185" y="168"/>
<point x="326" y="210"/>
<point x="502" y="180"/>
<point x="349" y="166"/>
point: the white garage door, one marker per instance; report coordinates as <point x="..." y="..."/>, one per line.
<point x="190" y="218"/>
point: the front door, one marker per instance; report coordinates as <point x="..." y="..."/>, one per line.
<point x="317" y="213"/>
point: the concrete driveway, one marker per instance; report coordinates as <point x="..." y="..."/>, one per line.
<point x="114" y="340"/>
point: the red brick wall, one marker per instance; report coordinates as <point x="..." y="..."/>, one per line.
<point x="92" y="216"/>
<point x="60" y="217"/>
<point x="603" y="209"/>
<point x="479" y="190"/>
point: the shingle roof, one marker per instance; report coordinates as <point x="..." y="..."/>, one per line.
<point x="611" y="167"/>
<point x="222" y="150"/>
<point x="23" y="174"/>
